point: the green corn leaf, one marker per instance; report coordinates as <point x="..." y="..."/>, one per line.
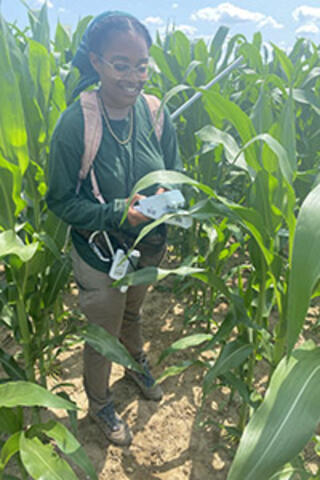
<point x="69" y="445"/>
<point x="216" y="46"/>
<point x="213" y="136"/>
<point x="62" y="41"/>
<point x="40" y="25"/>
<point x="10" y="448"/>
<point x="10" y="244"/>
<point x="41" y="461"/>
<point x="262" y="112"/>
<point x="159" y="57"/>
<point x="150" y="275"/>
<point x="40" y="71"/>
<point x="109" y="346"/>
<point x="79" y="31"/>
<point x="232" y="355"/>
<point x="284" y="61"/>
<point x="10" y="421"/>
<point x="57" y="103"/>
<point x="284" y="422"/>
<point x="13" y="136"/>
<point x="185" y="342"/>
<point x="57" y="279"/>
<point x="305" y="265"/>
<point x="7" y="217"/>
<point x="277" y="149"/>
<point x="165" y="218"/>
<point x="182" y="48"/>
<point x="169" y="177"/>
<point x="176" y="370"/>
<point x="221" y="109"/>
<point x="292" y="471"/>
<point x="11" y="367"/>
<point x="27" y="394"/>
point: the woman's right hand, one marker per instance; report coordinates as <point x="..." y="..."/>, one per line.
<point x="134" y="216"/>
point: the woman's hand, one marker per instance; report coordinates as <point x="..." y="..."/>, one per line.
<point x="161" y="190"/>
<point x="134" y="216"/>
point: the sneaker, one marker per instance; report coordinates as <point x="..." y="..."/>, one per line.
<point x="145" y="381"/>
<point x="115" y="429"/>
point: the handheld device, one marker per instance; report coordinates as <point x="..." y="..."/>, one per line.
<point x="123" y="264"/>
<point x="172" y="201"/>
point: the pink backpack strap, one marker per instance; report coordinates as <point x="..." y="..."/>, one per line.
<point x="92" y="130"/>
<point x="156" y="113"/>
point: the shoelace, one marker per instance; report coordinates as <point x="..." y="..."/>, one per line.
<point x="108" y="414"/>
<point x="145" y="377"/>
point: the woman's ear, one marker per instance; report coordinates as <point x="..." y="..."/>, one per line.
<point x="95" y="61"/>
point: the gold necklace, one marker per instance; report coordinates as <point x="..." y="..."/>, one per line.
<point x="106" y="118"/>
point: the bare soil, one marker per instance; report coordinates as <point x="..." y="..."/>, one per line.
<point x="168" y="442"/>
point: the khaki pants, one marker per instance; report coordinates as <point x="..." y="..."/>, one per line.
<point x="119" y="313"/>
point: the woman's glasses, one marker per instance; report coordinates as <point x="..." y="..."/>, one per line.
<point x="122" y="69"/>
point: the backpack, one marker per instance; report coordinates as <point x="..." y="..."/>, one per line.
<point x="93" y="131"/>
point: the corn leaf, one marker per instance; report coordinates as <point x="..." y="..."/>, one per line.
<point x="42" y="462"/>
<point x="185" y="342"/>
<point x="69" y="445"/>
<point x="305" y="265"/>
<point x="284" y="422"/>
<point x="231" y="356"/>
<point x="10" y="244"/>
<point x="27" y="394"/>
<point x="109" y="346"/>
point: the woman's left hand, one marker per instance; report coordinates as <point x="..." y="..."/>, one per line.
<point x="134" y="216"/>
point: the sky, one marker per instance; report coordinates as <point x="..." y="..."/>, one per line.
<point x="280" y="21"/>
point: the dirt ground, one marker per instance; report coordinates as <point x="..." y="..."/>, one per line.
<point x="168" y="442"/>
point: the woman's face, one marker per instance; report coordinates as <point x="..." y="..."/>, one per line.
<point x="122" y="68"/>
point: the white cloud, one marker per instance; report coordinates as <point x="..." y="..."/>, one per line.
<point x="175" y="5"/>
<point x="308" y="28"/>
<point x="188" y="30"/>
<point x="304" y="12"/>
<point x="270" y="22"/>
<point x="49" y="4"/>
<point x="153" y="21"/>
<point x="229" y="13"/>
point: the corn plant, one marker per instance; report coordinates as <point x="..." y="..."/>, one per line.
<point x="251" y="153"/>
<point x="31" y="444"/>
<point x="36" y="84"/>
<point x="260" y="153"/>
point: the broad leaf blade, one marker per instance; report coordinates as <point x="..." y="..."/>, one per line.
<point x="232" y="355"/>
<point x="69" y="445"/>
<point x="41" y="461"/>
<point x="109" y="346"/>
<point x="305" y="264"/>
<point x="284" y="422"/>
<point x="10" y="243"/>
<point x="185" y="342"/>
<point x="10" y="448"/>
<point x="27" y="394"/>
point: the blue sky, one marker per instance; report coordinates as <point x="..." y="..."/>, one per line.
<point x="280" y="21"/>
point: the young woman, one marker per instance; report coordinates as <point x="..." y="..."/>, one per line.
<point x="114" y="52"/>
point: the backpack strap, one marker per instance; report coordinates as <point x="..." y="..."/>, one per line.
<point x="156" y="113"/>
<point x="92" y="130"/>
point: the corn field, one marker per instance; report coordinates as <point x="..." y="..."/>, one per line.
<point x="251" y="153"/>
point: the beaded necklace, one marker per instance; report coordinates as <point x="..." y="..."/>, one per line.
<point x="106" y="118"/>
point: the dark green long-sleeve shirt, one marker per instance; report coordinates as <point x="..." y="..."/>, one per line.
<point x="117" y="168"/>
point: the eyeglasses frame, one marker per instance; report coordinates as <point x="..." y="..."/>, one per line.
<point x="132" y="69"/>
